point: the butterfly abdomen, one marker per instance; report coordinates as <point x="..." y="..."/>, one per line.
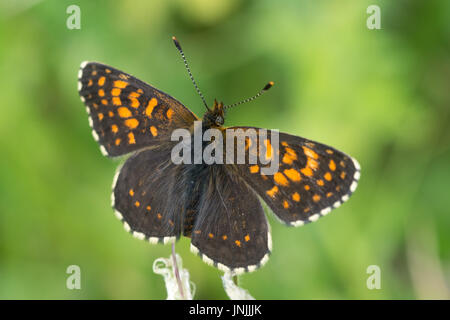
<point x="194" y="182"/>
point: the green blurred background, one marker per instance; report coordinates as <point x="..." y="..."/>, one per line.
<point x="380" y="95"/>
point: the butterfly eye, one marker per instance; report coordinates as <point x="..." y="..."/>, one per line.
<point x="219" y="120"/>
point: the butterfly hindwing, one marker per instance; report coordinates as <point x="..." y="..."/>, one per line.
<point x="145" y="196"/>
<point x="125" y="113"/>
<point x="230" y="230"/>
<point x="312" y="178"/>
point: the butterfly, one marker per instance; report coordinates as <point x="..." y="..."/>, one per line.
<point x="218" y="206"/>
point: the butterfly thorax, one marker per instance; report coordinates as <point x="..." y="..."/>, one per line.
<point x="214" y="117"/>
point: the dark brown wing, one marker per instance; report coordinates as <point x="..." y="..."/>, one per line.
<point x="147" y="196"/>
<point x="312" y="178"/>
<point x="230" y="231"/>
<point x="125" y="113"/>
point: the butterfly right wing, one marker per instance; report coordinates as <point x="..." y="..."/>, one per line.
<point x="230" y="230"/>
<point x="312" y="178"/>
<point x="127" y="114"/>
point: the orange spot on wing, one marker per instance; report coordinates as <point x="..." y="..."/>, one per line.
<point x="134" y="103"/>
<point x="137" y="203"/>
<point x="169" y="113"/>
<point x="116" y="101"/>
<point x="101" y="93"/>
<point x="272" y="192"/>
<point x="329" y="194"/>
<point x="101" y="81"/>
<point x="133" y="94"/>
<point x="254" y="168"/>
<point x="115" y="92"/>
<point x="327" y="176"/>
<point x="100" y="116"/>
<point x="124" y="112"/>
<point x="114" y="128"/>
<point x="111" y="114"/>
<point x="150" y="106"/>
<point x="320" y="182"/>
<point x="104" y="102"/>
<point x="307" y="187"/>
<point x="332" y="165"/>
<point x="290" y="156"/>
<point x="149" y="208"/>
<point x="90" y="83"/>
<point x="343" y="174"/>
<point x="224" y="237"/>
<point x="159" y="216"/>
<point x="284" y="144"/>
<point x="247" y="238"/>
<point x="131" y="123"/>
<point x="131" y="192"/>
<point x="280" y="179"/>
<point x="120" y="84"/>
<point x="285" y="204"/>
<point x="316" y="198"/>
<point x="268" y="149"/>
<point x="117" y="142"/>
<point x="291" y="153"/>
<point x="107" y="71"/>
<point x="154" y="131"/>
<point x="296" y="197"/>
<point x="238" y="243"/>
<point x="288" y="159"/>
<point x="311" y="163"/>
<point x="292" y="174"/>
<point x="306" y="171"/>
<point x="310" y="153"/>
<point x="211" y="235"/>
<point x="131" y="139"/>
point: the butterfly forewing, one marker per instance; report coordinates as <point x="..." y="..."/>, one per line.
<point x="125" y="113"/>
<point x="311" y="180"/>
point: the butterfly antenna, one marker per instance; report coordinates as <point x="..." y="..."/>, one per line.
<point x="266" y="87"/>
<point x="177" y="44"/>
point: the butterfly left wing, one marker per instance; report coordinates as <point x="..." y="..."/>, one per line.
<point x="231" y="230"/>
<point x="147" y="196"/>
<point x="312" y="178"/>
<point x="127" y="114"/>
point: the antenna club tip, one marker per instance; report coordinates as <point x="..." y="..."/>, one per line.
<point x="269" y="85"/>
<point x="177" y="43"/>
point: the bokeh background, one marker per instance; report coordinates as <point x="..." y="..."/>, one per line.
<point x="380" y="95"/>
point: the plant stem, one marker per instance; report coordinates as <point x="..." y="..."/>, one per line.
<point x="175" y="269"/>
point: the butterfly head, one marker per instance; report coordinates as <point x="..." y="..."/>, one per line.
<point x="215" y="117"/>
